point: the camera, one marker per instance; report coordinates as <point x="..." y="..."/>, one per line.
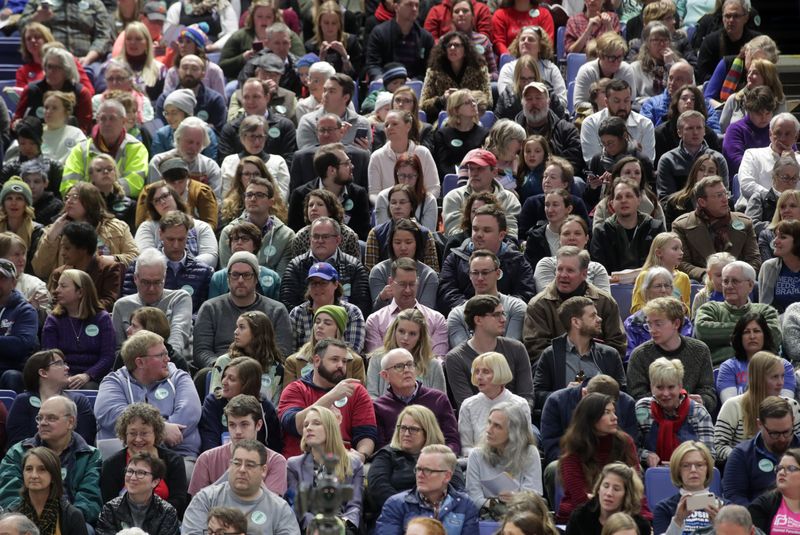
<point x="324" y="500"/>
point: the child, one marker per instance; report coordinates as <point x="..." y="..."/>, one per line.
<point x="713" y="288"/>
<point x="535" y="151"/>
<point x="666" y="251"/>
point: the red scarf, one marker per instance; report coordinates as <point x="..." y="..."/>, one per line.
<point x="382" y="14"/>
<point x="104" y="145"/>
<point x="668" y="428"/>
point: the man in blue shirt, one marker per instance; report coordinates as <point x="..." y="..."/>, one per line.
<point x="18" y="326"/>
<point x="656" y="107"/>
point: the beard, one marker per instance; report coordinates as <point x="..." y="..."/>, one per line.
<point x="189" y="82"/>
<point x="334" y="377"/>
<point x="536" y="117"/>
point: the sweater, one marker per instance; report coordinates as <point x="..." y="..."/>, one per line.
<point x="479" y="470"/>
<point x="681" y="284"/>
<point x="19" y="323"/>
<point x="377" y="386"/>
<point x="697" y="426"/>
<point x="427" y="284"/>
<point x="729" y="429"/>
<point x="638" y="332"/>
<point x="739" y="137"/>
<point x="514" y="307"/>
<point x="715" y="321"/>
<point x="474" y="415"/>
<point x="732" y="379"/>
<point x="212" y="466"/>
<point x="88" y="344"/>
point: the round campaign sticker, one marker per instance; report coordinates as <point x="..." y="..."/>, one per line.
<point x="118" y="206"/>
<point x="69" y="143"/>
<point x="280" y="108"/>
<point x="270" y="250"/>
<point x="737" y="225"/>
<point x="346" y="289"/>
<point x="83" y="5"/>
<point x="203" y="115"/>
<point x="63" y="473"/>
<point x="40" y="112"/>
<point x="480" y="49"/>
<point x="258" y="517"/>
<point x="188" y="289"/>
<point x="92" y="330"/>
<point x="187" y="7"/>
<point x="224" y="420"/>
<point x="35" y="402"/>
<point x="31" y="74"/>
<point x="348" y="204"/>
<point x="765" y="465"/>
<point x="274" y="132"/>
<point x="341" y="402"/>
<point x="533" y="13"/>
<point x="267" y="280"/>
<point x="161" y="393"/>
<point x="457" y="143"/>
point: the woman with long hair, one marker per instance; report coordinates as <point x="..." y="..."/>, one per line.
<point x="408" y="171"/>
<point x="32" y="288"/>
<point x="653" y="63"/>
<point x="666" y="251"/>
<point x="762" y="203"/>
<point x="233" y="205"/>
<point x="405" y="99"/>
<point x="104" y="174"/>
<point x="786" y="209"/>
<point x="682" y="201"/>
<point x="505" y="141"/>
<point x="18" y="216"/>
<point x="120" y="77"/>
<point x="761" y="72"/>
<point x="460" y="133"/>
<point x="610" y="63"/>
<point x="530" y="169"/>
<point x="640" y="170"/>
<point x="477" y="26"/>
<point x="533" y="41"/>
<point x="331" y="43"/>
<point x="34" y="36"/>
<point x="766" y="509"/>
<point x="777" y="275"/>
<point x="138" y="53"/>
<point x="322" y="203"/>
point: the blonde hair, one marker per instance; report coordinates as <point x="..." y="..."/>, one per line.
<point x="610" y="42"/>
<point x="90" y="304"/>
<point x="681" y="452"/>
<point x="619" y="522"/>
<point x="333" y="441"/>
<point x="758" y="368"/>
<point x="426" y="420"/>
<point x="423" y="351"/>
<point x="789" y="193"/>
<point x="152" y="69"/>
<point x="497" y="363"/>
<point x="634" y="489"/>
<point x="661" y="240"/>
<point x="456" y="100"/>
<point x="724" y="258"/>
<point x="664" y="370"/>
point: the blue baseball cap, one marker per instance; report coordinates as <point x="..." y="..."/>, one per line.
<point x="323" y="270"/>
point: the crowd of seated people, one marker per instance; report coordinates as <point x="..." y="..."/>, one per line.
<point x="246" y="247"/>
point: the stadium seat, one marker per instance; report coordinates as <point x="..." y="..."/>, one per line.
<point x="735" y="189"/>
<point x="441" y="118"/>
<point x="416" y="85"/>
<point x="11" y="101"/>
<point x="488" y="527"/>
<point x="561" y="49"/>
<point x="488" y="119"/>
<point x="7" y="398"/>
<point x="658" y="485"/>
<point x="450" y="183"/>
<point x="90" y="394"/>
<point x="574" y="62"/>
<point x="622" y="295"/>
<point x="504" y="58"/>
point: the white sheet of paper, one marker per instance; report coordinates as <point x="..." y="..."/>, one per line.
<point x="499" y="483"/>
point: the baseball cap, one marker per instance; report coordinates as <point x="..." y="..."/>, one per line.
<point x="481" y="157"/>
<point x="539" y="86"/>
<point x="323" y="270"/>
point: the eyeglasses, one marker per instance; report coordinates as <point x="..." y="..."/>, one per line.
<point x="732" y="281"/>
<point x="56" y="363"/>
<point x="71" y="197"/>
<point x="138" y="434"/>
<point x="693" y="466"/>
<point x="787" y="178"/>
<point x="161" y="355"/>
<point x="328" y="129"/>
<point x="611" y="59"/>
<point x="161" y="198"/>
<point x="733" y="16"/>
<point x="406" y="285"/>
<point x="402" y="367"/>
<point x="481" y="274"/>
<point x="247" y="275"/>
<point x="719" y="195"/>
<point x="788" y="468"/>
<point x="255" y="137"/>
<point x="346" y="163"/>
<point x="250" y="174"/>
<point x="137" y="474"/>
<point x="49" y="418"/>
<point x="427" y="472"/>
<point x="403" y="100"/>
<point x="151" y="283"/>
<point x="455" y="44"/>
<point x="250" y="465"/>
<point x="322" y="237"/>
<point x="662" y="286"/>
<point x="235" y="239"/>
<point x="410" y="429"/>
<point x="116" y="79"/>
<point x="779" y="434"/>
<point x="256" y="195"/>
<point x="407" y="176"/>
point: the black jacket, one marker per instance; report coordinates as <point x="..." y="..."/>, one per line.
<point x="509" y="104"/>
<point x="356" y="208"/>
<point x="585" y="520"/>
<point x="54" y="171"/>
<point x="449" y="146"/>
<point x="48" y="208"/>
<point x="667" y="138"/>
<point x="284" y="143"/>
<point x="564" y="138"/>
<point x="532" y="213"/>
<point x="301" y="168"/>
<point x="160" y="518"/>
<point x="381" y="50"/>
<point x="764" y="508"/>
<point x="612" y="248"/>
<point x="537" y="247"/>
<point x="70" y="519"/>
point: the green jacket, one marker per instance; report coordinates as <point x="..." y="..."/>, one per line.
<point x="80" y="467"/>
<point x="132" y="159"/>
<point x="715" y="321"/>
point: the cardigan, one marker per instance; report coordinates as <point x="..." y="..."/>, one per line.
<point x="88" y="344"/>
<point x="377" y="386"/>
<point x="479" y="470"/>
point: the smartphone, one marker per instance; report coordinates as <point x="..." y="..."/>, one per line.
<point x="362" y="132"/>
<point x="701" y="501"/>
<point x="258" y="46"/>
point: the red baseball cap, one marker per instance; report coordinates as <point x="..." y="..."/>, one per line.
<point x="481" y="157"/>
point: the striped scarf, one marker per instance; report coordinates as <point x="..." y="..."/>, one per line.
<point x="732" y="79"/>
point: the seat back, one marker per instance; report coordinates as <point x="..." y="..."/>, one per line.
<point x="488" y="119"/>
<point x="450" y="183"/>
<point x="574" y="62"/>
<point x="622" y="294"/>
<point x="561" y="48"/>
<point x="658" y="485"/>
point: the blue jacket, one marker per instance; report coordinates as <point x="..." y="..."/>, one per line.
<point x="458" y="514"/>
<point x="636" y="330"/>
<point x="557" y="414"/>
<point x="194" y="277"/>
<point x="164" y="140"/>
<point x="749" y="471"/>
<point x="20" y="423"/>
<point x="210" y="107"/>
<point x="656" y="108"/>
<point x="18" y="327"/>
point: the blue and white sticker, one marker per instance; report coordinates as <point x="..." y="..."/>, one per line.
<point x="258" y="517"/>
<point x="161" y="393"/>
<point x="533" y="13"/>
<point x="203" y="115"/>
<point x="765" y="465"/>
<point x="83" y="5"/>
<point x="280" y="108"/>
<point x="737" y="225"/>
<point x="188" y="289"/>
<point x="348" y="205"/>
<point x="341" y="402"/>
<point x="92" y="330"/>
<point x="35" y="401"/>
<point x="270" y="250"/>
<point x="267" y="281"/>
<point x="274" y="132"/>
<point x="480" y="49"/>
<point x="40" y="112"/>
<point x="346" y="288"/>
<point x="456" y="143"/>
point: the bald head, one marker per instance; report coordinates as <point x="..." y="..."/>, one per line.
<point x="680" y="74"/>
<point x="396" y="356"/>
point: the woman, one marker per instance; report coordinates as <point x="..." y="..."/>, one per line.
<point x="154" y="320"/>
<point x="543" y="240"/>
<point x="787" y="208"/>
<point x="657" y="282"/>
<point x="103" y="173"/>
<point x="751" y="334"/>
<point x="761" y="72"/>
<point x="406" y="239"/>
<point x="322" y="203"/>
<point x="737" y="419"/>
<point x="454" y="64"/>
<point x="530" y="169"/>
<point x="691" y="469"/>
<point x="241" y="375"/>
<point x="574" y="231"/>
<point x="331" y="43"/>
<point x="533" y="41"/>
<point x="392" y="468"/>
<point x="513" y="15"/>
<point x="527" y="523"/>
<point x="17" y="216"/>
<point x="253" y="135"/>
<point x="730" y="74"/>
<point x="27" y="147"/>
<point x="768" y="509"/>
<point x="399" y="140"/>
<point x="127" y="11"/>
<point x="58" y="137"/>
<point x="618" y="489"/>
<point x="665" y="12"/>
<point x="322" y="438"/>
<point x="712" y="291"/>
<point x="403" y="204"/>
<point x="32" y="288"/>
<point x="460" y="133"/>
<point x="621" y="524"/>
<point x="638" y="169"/>
<point x="137" y="53"/>
<point x="33" y="38"/>
<point x="84" y="202"/>
<point x="46" y="374"/>
<point x="611" y="50"/>
<point x="464" y="20"/>
<point x="777" y="275"/>
<point x="589" y="24"/>
<point x="140" y="428"/>
<point x="762" y="203"/>
<point x="407" y="171"/>
<point x="505" y="141"/>
<point x="405" y="99"/>
<point x="490" y="374"/>
<point x="81" y="328"/>
<point x="219" y="15"/>
<point x="666" y="251"/>
<point x="656" y="56"/>
<point x="409" y="331"/>
<point x="591" y="441"/>
<point x="120" y="76"/>
<point x="160" y="198"/>
<point x="141" y="505"/>
<point x="179" y="105"/>
<point x="752" y="131"/>
<point x="63" y="76"/>
<point x="506" y="447"/>
<point x="670" y="416"/>
<point x="686" y="98"/>
<point x="682" y="201"/>
<point x="329" y="322"/>
<point x="43" y="500"/>
<point x="233" y="204"/>
<point x="526" y="71"/>
<point x="193" y="40"/>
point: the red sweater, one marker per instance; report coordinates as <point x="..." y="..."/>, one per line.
<point x="31" y="72"/>
<point x="440" y="19"/>
<point x="507" y="23"/>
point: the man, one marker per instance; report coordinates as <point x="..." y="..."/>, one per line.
<point x="336" y="96"/>
<point x="334" y="171"/>
<point x="537" y="118"/>
<point x="245" y="419"/>
<point x="183" y="270"/>
<point x="488" y="232"/>
<point x="149" y="276"/>
<point x="486" y="318"/>
<point x="734" y="520"/>
<point x="432" y="496"/>
<point x="481" y="167"/>
<point x="149" y="377"/>
<point x="726" y="41"/>
<point x="227" y="520"/>
<point x="109" y="138"/>
<point x="269" y="68"/>
<point x="403" y="284"/>
<point x="257" y="99"/>
<point x="542" y="323"/>
<point x="279" y="43"/>
<point x="266" y="512"/>
<point x="17" y="524"/>
<point x="325" y="238"/>
<point x="210" y="104"/>
<point x="680" y="74"/>
<point x="715" y="321"/>
<point x="216" y="320"/>
<point x="665" y="316"/>
<point x="327" y="387"/>
<point x="404" y="389"/>
<point x="80" y="462"/>
<point x="755" y="171"/>
<point x="674" y="165"/>
<point x="750" y="468"/>
<point x="401" y="39"/>
<point x="484" y="273"/>
<point x="575" y="356"/>
<point x="79" y="251"/>
<point x="45" y="202"/>
<point x="618" y="102"/>
<point x="19" y="325"/>
<point x="330" y="129"/>
<point x="714" y="228"/>
<point x="191" y="139"/>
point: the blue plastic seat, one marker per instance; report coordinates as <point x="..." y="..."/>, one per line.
<point x="622" y="294"/>
<point x="574" y="62"/>
<point x="561" y="49"/>
<point x="488" y="119"/>
<point x="658" y="485"/>
<point x="450" y="183"/>
<point x="504" y="58"/>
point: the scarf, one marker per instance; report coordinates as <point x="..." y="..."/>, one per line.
<point x="49" y="520"/>
<point x="719" y="228"/>
<point x="382" y="14"/>
<point x="732" y="79"/>
<point x="668" y="428"/>
<point x="108" y="148"/>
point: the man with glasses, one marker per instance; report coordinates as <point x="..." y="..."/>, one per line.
<point x="486" y="319"/>
<point x="728" y="40"/>
<point x="216" y="320"/>
<point x="713" y="228"/>
<point x="149" y="276"/>
<point x="210" y="104"/>
<point x="245" y="236"/>
<point x="656" y="108"/>
<point x="403" y="388"/>
<point x="149" y="377"/>
<point x="266" y="512"/>
<point x="432" y="496"/>
<point x="80" y="462"/>
<point x="751" y="467"/>
<point x="337" y="94"/>
<point x="715" y="321"/>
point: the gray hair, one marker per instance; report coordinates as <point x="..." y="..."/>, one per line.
<point x="324" y="219"/>
<point x="737" y="515"/>
<point x="24" y="524"/>
<point x="783" y="161"/>
<point x="744" y="4"/>
<point x="394" y="352"/>
<point x="278" y="27"/>
<point x="33" y="167"/>
<point x="192" y="122"/>
<point x="69" y="405"/>
<point x="66" y="61"/>
<point x="784" y="116"/>
<point x="570" y="251"/>
<point x="151" y="257"/>
<point x="747" y="270"/>
<point x="120" y="66"/>
<point x="515" y="456"/>
<point x="251" y="123"/>
<point x="331" y="116"/>
<point x="113" y="104"/>
<point x="652" y="274"/>
<point x="132" y="531"/>
<point x="322" y="67"/>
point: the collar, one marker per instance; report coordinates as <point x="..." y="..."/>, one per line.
<point x="395" y="309"/>
<point x="571" y="347"/>
<point x="406" y="399"/>
<point x="335" y="258"/>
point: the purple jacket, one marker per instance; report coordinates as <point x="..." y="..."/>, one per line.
<point x="636" y="330"/>
<point x="389" y="406"/>
<point x="739" y="137"/>
<point x="91" y="351"/>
